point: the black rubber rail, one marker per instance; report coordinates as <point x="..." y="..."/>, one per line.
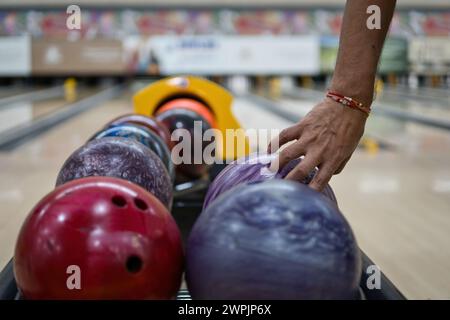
<point x="37" y="95"/>
<point x="387" y="290"/>
<point x="23" y="133"/>
<point x="8" y="287"/>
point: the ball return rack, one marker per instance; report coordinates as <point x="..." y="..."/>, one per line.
<point x="189" y="196"/>
<point x="187" y="205"/>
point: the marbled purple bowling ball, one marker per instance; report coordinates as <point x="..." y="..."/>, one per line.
<point x="275" y="239"/>
<point x="121" y="158"/>
<point x="143" y="135"/>
<point x="253" y="168"/>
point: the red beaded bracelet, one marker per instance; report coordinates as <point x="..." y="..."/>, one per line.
<point x="348" y="102"/>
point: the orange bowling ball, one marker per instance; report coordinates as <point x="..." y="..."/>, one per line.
<point x="190" y="104"/>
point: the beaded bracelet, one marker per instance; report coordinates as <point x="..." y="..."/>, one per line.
<point x="348" y="102"/>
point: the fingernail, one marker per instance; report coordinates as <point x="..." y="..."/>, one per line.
<point x="275" y="164"/>
<point x="274" y="144"/>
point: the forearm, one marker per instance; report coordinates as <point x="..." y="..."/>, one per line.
<point x="360" y="49"/>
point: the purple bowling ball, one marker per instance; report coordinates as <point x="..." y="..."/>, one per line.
<point x="275" y="239"/>
<point x="143" y="135"/>
<point x="120" y="158"/>
<point x="253" y="168"/>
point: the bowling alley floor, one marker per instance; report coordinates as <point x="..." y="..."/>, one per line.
<point x="29" y="171"/>
<point x="396" y="200"/>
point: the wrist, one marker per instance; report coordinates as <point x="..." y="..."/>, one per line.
<point x="344" y="111"/>
<point x="348" y="102"/>
<point x="358" y="88"/>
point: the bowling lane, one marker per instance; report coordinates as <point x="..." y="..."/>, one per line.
<point x="29" y="172"/>
<point x="398" y="201"/>
<point x="410" y="136"/>
<point x="16" y="89"/>
<point x="439" y="96"/>
<point x="432" y="105"/>
<point x="23" y="112"/>
<point x="251" y="116"/>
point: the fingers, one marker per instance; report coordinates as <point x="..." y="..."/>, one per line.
<point x="291" y="152"/>
<point x="341" y="167"/>
<point x="322" y="177"/>
<point x="302" y="170"/>
<point x="285" y="136"/>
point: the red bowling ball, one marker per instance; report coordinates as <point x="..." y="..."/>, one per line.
<point x="99" y="238"/>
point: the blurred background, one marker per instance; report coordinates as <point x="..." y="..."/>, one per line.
<point x="58" y="86"/>
<point x="119" y="38"/>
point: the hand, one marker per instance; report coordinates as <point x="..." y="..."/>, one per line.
<point x="326" y="136"/>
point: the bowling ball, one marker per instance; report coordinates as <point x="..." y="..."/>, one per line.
<point x="186" y="119"/>
<point x="148" y="122"/>
<point x="275" y="239"/>
<point x="254" y="168"/>
<point x="121" y="158"/>
<point x="121" y="239"/>
<point x="192" y="105"/>
<point x="143" y="135"/>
